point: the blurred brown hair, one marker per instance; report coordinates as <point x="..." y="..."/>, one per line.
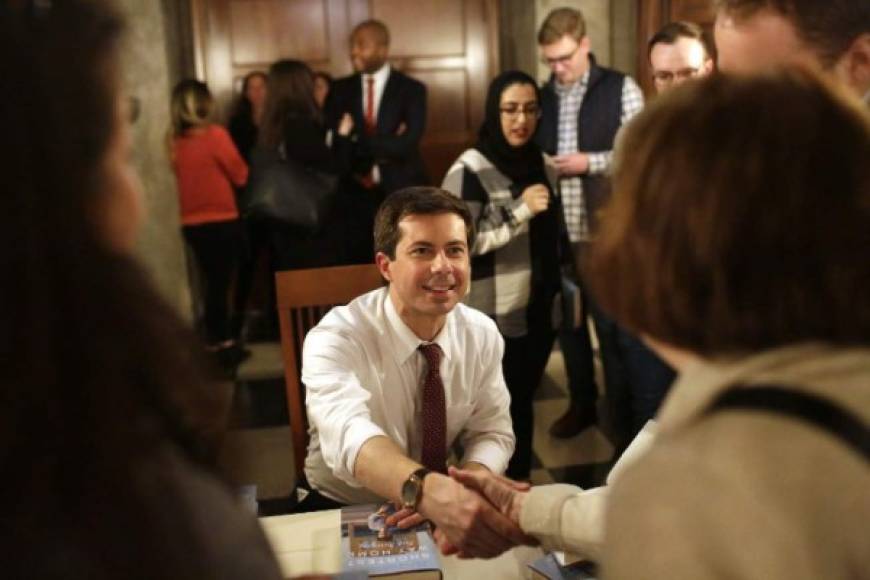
<point x="561" y="22"/>
<point x="740" y="217"/>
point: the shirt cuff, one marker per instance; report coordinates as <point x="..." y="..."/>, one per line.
<point x="358" y="431"/>
<point x="582" y="532"/>
<point x="599" y="162"/>
<point x="520" y="212"/>
<point x="489" y="454"/>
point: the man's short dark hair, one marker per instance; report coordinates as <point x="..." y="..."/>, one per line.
<point x="382" y="33"/>
<point x="416" y="201"/>
<point x="721" y="245"/>
<point x="561" y="22"/>
<point x="827" y="26"/>
<point x="671" y="32"/>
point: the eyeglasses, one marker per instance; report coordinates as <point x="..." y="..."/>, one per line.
<point x="563" y="60"/>
<point x="513" y="111"/>
<point x="666" y="77"/>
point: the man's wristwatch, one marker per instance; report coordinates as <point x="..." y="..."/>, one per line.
<point x="412" y="489"/>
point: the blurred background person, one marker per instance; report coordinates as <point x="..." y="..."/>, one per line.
<point x="766" y="433"/>
<point x="678" y="52"/>
<point x="584" y="105"/>
<point x="248" y="113"/>
<point x="109" y="425"/>
<point x="293" y="125"/>
<point x="253" y="282"/>
<point x="322" y="85"/>
<point x="207" y="166"/>
<point x="510" y="191"/>
<point x="389" y="115"/>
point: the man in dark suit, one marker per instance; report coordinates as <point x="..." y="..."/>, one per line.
<point x="389" y="113"/>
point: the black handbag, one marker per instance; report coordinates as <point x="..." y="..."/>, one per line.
<point x="287" y="192"/>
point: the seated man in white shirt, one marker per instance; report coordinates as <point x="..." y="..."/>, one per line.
<point x="398" y="376"/>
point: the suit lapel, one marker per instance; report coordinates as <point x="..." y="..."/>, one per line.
<point x="356" y="99"/>
<point x="388" y="101"/>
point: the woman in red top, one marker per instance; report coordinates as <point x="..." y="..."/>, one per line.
<point x="207" y="166"/>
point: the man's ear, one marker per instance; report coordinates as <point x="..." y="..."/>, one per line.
<point x="383" y="262"/>
<point x="707" y="67"/>
<point x="853" y="68"/>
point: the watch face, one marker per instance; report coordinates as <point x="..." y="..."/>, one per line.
<point x="409" y="493"/>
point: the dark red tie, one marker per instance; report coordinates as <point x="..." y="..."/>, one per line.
<point x="434" y="412"/>
<point x="370" y="105"/>
<point x="368" y="180"/>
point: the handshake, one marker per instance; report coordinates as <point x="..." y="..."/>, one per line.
<point x="476" y="513"/>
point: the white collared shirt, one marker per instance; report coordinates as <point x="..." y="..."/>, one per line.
<point x="380" y="76"/>
<point x="363" y="375"/>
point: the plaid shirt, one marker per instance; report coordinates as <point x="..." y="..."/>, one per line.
<point x="570" y="101"/>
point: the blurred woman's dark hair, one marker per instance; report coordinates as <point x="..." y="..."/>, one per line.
<point x="739" y="219"/>
<point x="290" y="93"/>
<point x="242" y="106"/>
<point x="98" y="373"/>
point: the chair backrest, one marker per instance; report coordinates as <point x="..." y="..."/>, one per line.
<point x="304" y="297"/>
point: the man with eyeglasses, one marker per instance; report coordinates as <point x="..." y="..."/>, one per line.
<point x="678" y="52"/>
<point x="584" y="105"/>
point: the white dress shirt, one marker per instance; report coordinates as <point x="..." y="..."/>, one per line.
<point x="363" y="375"/>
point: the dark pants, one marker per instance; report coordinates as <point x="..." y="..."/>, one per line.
<point x="256" y="245"/>
<point x="523" y="365"/>
<point x="636" y="379"/>
<point x="216" y="246"/>
<point x="359" y="206"/>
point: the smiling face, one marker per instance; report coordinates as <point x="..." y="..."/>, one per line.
<point x="518" y="108"/>
<point x="429" y="274"/>
<point x="368" y="52"/>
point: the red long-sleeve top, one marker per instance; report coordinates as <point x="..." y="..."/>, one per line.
<point x="207" y="165"/>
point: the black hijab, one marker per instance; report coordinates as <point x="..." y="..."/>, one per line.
<point x="523" y="165"/>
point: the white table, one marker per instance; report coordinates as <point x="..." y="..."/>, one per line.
<point x="311" y="543"/>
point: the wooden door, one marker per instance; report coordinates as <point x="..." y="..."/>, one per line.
<point x="450" y="45"/>
<point x="653" y="14"/>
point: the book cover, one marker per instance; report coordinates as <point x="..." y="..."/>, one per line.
<point x="549" y="568"/>
<point x="367" y="543"/>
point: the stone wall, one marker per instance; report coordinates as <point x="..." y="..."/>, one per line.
<point x="146" y="76"/>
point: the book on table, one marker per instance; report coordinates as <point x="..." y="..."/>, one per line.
<point x="551" y="567"/>
<point x="367" y="543"/>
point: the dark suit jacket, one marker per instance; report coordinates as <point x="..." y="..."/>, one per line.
<point x="398" y="156"/>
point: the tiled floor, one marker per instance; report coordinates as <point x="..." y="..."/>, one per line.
<point x="258" y="448"/>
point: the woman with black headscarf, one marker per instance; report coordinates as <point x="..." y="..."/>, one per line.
<point x="510" y="189"/>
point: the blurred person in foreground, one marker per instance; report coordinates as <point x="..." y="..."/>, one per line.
<point x="109" y="429"/>
<point x="727" y="289"/>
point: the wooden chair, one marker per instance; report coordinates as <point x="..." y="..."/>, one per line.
<point x="304" y="297"/>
